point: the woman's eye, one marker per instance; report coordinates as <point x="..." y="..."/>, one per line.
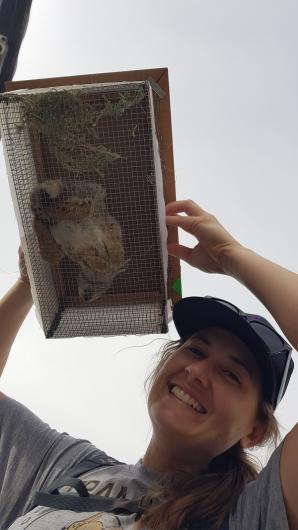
<point x="197" y="352"/>
<point x="233" y="376"/>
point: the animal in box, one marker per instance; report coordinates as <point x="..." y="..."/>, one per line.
<point x="72" y="220"/>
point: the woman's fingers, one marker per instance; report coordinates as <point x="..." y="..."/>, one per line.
<point x="188" y="206"/>
<point x="188" y="223"/>
<point x="22" y="266"/>
<point x="213" y="239"/>
<point x="180" y="251"/>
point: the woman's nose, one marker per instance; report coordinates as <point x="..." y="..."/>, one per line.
<point x="198" y="371"/>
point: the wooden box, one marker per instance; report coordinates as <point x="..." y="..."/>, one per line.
<point x="90" y="164"/>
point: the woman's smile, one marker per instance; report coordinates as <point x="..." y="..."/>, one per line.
<point x="179" y="395"/>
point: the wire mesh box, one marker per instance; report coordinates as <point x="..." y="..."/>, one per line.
<point x="87" y="184"/>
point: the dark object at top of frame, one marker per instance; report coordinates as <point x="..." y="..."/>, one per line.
<point x="14" y="17"/>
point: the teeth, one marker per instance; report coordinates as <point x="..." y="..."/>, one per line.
<point x="186" y="398"/>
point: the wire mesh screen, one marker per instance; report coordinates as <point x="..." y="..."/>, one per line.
<point x="86" y="178"/>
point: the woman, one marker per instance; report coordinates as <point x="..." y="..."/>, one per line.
<point x="211" y="396"/>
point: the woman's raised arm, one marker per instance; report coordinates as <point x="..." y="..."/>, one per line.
<point x="275" y="286"/>
<point x="218" y="252"/>
<point x="14" y="307"/>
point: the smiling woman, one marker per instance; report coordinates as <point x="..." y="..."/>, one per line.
<point x="205" y="458"/>
<point x="211" y="397"/>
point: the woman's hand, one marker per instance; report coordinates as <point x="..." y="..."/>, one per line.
<point x="214" y="240"/>
<point x="22" y="267"/>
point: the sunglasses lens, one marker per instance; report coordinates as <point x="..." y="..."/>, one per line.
<point x="273" y="341"/>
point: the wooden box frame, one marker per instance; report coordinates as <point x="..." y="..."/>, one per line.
<point x="160" y="85"/>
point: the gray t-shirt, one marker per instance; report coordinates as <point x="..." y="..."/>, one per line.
<point x="33" y="455"/>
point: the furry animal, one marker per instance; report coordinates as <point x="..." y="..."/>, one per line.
<point x="96" y="245"/>
<point x="72" y="220"/>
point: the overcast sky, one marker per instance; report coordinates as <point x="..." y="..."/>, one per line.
<point x="233" y="86"/>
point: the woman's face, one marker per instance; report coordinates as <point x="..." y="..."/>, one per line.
<point x="218" y="371"/>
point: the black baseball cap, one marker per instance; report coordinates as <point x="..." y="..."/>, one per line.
<point x="271" y="351"/>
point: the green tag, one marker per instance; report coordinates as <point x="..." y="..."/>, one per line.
<point x="176" y="286"/>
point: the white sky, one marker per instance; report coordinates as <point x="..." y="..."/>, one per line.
<point x="233" y="84"/>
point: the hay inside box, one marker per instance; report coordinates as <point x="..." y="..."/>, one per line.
<point x="87" y="182"/>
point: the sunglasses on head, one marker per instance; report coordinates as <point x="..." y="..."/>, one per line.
<point x="272" y="339"/>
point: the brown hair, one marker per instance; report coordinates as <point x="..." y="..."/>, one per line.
<point x="209" y="496"/>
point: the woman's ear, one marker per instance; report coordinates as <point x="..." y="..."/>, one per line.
<point x="254" y="437"/>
